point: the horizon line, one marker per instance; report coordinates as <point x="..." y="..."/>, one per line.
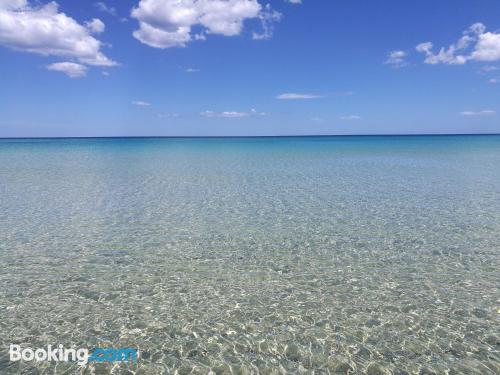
<point x="257" y="136"/>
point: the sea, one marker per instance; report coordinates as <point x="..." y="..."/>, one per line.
<point x="276" y="255"/>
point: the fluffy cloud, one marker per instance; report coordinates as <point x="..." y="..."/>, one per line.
<point x="12" y="4"/>
<point x="46" y="31"/>
<point x="475" y="45"/>
<point x="294" y="1"/>
<point x="95" y="26"/>
<point x="141" y="103"/>
<point x="72" y="70"/>
<point x="447" y="56"/>
<point x="231" y="114"/>
<point x="485" y="112"/>
<point x="487" y="47"/>
<point x="295" y="96"/>
<point x="170" y="23"/>
<point x="396" y="59"/>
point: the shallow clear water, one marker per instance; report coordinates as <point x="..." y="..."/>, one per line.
<point x="311" y="255"/>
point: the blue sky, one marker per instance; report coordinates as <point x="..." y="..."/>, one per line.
<point x="248" y="67"/>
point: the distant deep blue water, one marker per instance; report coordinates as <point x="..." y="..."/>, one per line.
<point x="305" y="255"/>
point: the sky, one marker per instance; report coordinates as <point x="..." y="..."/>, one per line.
<point x="248" y="67"/>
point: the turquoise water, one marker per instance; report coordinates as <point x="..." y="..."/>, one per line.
<point x="316" y="255"/>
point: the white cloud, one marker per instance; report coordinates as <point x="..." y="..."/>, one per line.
<point x="296" y="96"/>
<point x="350" y="118"/>
<point x="475" y="45"/>
<point x="141" y="103"/>
<point x="267" y="17"/>
<point x="294" y="1"/>
<point x="191" y="70"/>
<point x="72" y="70"/>
<point x="168" y="115"/>
<point x="487" y="48"/>
<point x="231" y="114"/>
<point x="103" y="7"/>
<point x="494" y="80"/>
<point x="488" y="69"/>
<point x="170" y="23"/>
<point x="95" y="26"/>
<point x="447" y="56"/>
<point x="227" y="114"/>
<point x="485" y="112"/>
<point x="46" y="31"/>
<point x="396" y="59"/>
